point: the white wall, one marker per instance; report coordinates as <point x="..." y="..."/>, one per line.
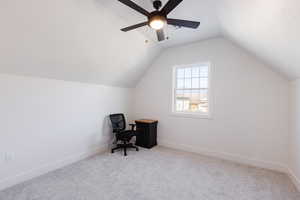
<point x="250" y="120"/>
<point x="45" y="124"/>
<point x="294" y="145"/>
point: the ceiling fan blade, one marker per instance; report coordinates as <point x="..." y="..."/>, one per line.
<point x="170" y="5"/>
<point x="135" y="7"/>
<point x="184" y="23"/>
<point x="160" y="35"/>
<point x="129" y="28"/>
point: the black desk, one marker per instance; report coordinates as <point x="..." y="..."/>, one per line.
<point x="147" y="133"/>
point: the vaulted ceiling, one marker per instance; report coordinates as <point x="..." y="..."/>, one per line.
<point x="270" y="29"/>
<point x="74" y="40"/>
<point x="80" y="40"/>
<point x="195" y="10"/>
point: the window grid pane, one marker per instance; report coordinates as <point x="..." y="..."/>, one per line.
<point x="188" y="72"/>
<point x="187" y="83"/>
<point x="203" y="71"/>
<point x="180" y="83"/>
<point x="195" y="71"/>
<point x="195" y="83"/>
<point x="203" y="82"/>
<point x="180" y="73"/>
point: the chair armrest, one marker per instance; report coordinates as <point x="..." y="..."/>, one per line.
<point x="132" y="126"/>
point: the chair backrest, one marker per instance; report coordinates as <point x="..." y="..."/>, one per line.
<point x="118" y="122"/>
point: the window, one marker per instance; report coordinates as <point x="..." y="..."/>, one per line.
<point x="191" y="90"/>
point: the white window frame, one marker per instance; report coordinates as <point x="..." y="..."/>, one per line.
<point x="210" y="98"/>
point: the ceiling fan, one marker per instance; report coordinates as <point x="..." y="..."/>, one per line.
<point x="158" y="18"/>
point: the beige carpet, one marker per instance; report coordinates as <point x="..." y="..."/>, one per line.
<point x="157" y="174"/>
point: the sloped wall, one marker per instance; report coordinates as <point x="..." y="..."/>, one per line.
<point x="74" y="40"/>
<point x="46" y="124"/>
<point x="267" y="29"/>
<point x="250" y="119"/>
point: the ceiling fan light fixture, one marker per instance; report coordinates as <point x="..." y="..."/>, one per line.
<point x="157" y="22"/>
<point x="158" y="18"/>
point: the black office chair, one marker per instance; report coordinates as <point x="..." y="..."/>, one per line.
<point x="119" y="128"/>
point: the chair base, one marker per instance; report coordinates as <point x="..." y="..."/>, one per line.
<point x="125" y="146"/>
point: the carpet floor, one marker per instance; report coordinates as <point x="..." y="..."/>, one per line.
<point x="157" y="174"/>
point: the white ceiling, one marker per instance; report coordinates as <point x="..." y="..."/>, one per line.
<point x="80" y="40"/>
<point x="270" y="29"/>
<point x="74" y="40"/>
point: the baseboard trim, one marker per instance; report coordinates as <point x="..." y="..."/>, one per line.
<point x="294" y="178"/>
<point x="11" y="181"/>
<point x="226" y="156"/>
<point x="24" y="176"/>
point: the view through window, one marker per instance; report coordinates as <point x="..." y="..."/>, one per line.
<point x="192" y="89"/>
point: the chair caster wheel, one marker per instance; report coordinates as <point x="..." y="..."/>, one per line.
<point x="112" y="151"/>
<point x="137" y="149"/>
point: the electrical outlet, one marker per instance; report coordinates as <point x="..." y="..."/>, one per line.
<point x="7" y="157"/>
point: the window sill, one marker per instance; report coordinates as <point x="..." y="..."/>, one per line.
<point x="191" y="115"/>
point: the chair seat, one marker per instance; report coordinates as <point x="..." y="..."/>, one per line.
<point x="125" y="135"/>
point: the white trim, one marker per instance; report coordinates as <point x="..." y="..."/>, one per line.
<point x="210" y="93"/>
<point x="24" y="176"/>
<point x="191" y="115"/>
<point x="8" y="182"/>
<point x="294" y="178"/>
<point x="236" y="158"/>
<point x="226" y="156"/>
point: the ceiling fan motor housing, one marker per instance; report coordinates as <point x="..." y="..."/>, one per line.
<point x="157" y="4"/>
